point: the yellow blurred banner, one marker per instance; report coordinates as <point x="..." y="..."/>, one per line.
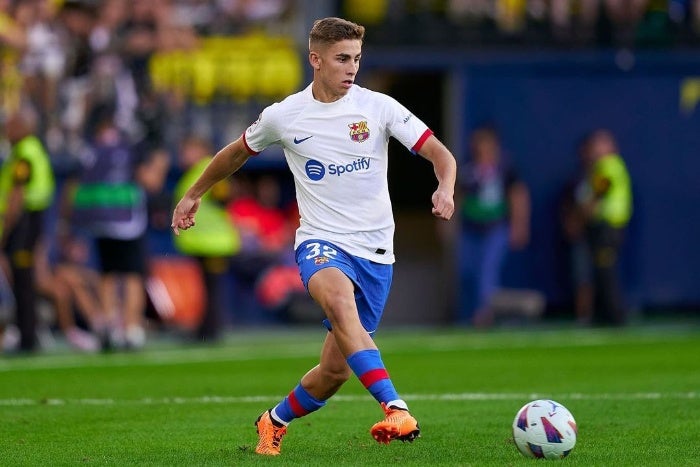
<point x="235" y="67"/>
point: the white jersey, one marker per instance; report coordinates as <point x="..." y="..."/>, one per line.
<point x="338" y="154"/>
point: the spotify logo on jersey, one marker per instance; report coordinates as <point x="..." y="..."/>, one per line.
<point x="315" y="170"/>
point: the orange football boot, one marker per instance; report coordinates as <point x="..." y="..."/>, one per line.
<point x="398" y="424"/>
<point x="270" y="435"/>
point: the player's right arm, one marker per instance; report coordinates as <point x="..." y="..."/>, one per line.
<point x="227" y="161"/>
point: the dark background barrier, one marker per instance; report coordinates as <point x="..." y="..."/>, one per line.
<point x="542" y="105"/>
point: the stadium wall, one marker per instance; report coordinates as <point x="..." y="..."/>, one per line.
<point x="542" y="104"/>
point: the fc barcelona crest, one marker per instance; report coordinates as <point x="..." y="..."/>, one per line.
<point x="359" y="131"/>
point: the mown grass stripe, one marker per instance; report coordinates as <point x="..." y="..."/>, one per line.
<point x="466" y="396"/>
<point x="240" y="348"/>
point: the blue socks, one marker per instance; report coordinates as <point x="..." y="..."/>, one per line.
<point x="297" y="404"/>
<point x="369" y="368"/>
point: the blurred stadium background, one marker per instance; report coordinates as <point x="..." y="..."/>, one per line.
<point x="544" y="72"/>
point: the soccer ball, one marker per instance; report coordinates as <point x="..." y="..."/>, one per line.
<point x="544" y="429"/>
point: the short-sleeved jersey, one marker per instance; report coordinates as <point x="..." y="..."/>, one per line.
<point x="338" y="154"/>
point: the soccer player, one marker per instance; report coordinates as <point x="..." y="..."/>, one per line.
<point x="335" y="137"/>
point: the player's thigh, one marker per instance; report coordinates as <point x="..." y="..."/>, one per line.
<point x="334" y="291"/>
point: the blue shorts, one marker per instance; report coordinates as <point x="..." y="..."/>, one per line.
<point x="372" y="280"/>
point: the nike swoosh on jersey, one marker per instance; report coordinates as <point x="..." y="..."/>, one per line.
<point x="297" y="140"/>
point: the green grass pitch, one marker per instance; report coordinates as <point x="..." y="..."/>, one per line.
<point x="635" y="394"/>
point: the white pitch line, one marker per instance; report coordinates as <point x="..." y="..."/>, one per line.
<point x="465" y="396"/>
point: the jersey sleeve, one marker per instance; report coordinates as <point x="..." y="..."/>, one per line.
<point x="408" y="129"/>
<point x="263" y="132"/>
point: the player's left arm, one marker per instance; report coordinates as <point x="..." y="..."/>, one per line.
<point x="445" y="167"/>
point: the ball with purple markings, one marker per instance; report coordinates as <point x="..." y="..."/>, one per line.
<point x="544" y="429"/>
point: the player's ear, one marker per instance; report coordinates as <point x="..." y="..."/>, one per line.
<point x="314" y="60"/>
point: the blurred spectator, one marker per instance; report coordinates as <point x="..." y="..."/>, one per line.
<point x="26" y="190"/>
<point x="573" y="223"/>
<point x="267" y="231"/>
<point x="11" y="31"/>
<point x="569" y="23"/>
<point x="9" y="335"/>
<point x="495" y="215"/>
<point x="110" y="201"/>
<point x="111" y="81"/>
<point x="44" y="58"/>
<point x="607" y="207"/>
<point x="242" y="15"/>
<point x="78" y="19"/>
<point x="215" y="242"/>
<point x="579" y="23"/>
<point x="152" y="173"/>
<point x="13" y="41"/>
<point x="261" y="218"/>
<point x="606" y="22"/>
<point x="72" y="287"/>
<point x="152" y="26"/>
<point x="140" y="38"/>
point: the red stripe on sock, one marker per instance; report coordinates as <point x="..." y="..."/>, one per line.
<point x="372" y="376"/>
<point x="298" y="410"/>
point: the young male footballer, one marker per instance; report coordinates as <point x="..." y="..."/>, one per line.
<point x="335" y="137"/>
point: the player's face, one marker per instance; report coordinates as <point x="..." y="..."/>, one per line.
<point x="335" y="68"/>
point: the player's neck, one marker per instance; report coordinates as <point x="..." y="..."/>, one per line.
<point x="324" y="95"/>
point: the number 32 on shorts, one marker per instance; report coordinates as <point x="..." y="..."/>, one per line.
<point x="322" y="253"/>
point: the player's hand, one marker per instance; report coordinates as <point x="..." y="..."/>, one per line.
<point x="443" y="205"/>
<point x="183" y="215"/>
